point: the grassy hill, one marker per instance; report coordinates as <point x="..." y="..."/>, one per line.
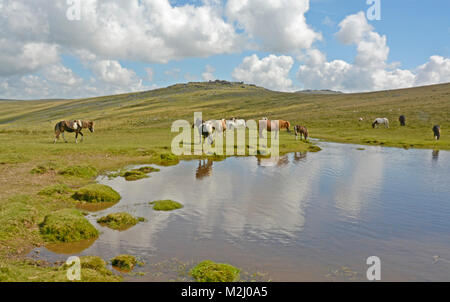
<point x="329" y="116"/>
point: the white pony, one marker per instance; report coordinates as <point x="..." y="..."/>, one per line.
<point x="235" y="124"/>
<point x="207" y="131"/>
<point x="381" y="121"/>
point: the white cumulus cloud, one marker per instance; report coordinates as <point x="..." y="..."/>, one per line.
<point x="370" y="69"/>
<point x="271" y="72"/>
<point x="277" y="25"/>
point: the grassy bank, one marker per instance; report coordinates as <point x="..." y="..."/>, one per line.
<point x="135" y="129"/>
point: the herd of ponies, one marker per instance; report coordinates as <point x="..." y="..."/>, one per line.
<point x="207" y="129"/>
<point x="402" y="119"/>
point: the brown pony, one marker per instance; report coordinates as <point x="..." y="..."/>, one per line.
<point x="273" y="126"/>
<point x="302" y="131"/>
<point x="72" y="126"/>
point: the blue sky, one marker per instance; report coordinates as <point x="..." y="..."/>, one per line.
<point x="415" y="30"/>
<point x="416" y="49"/>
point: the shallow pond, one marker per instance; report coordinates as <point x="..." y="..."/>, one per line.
<point x="303" y="217"/>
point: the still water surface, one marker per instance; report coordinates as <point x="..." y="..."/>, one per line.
<point x="307" y="217"/>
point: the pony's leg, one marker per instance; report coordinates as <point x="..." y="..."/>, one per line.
<point x="57" y="133"/>
<point x="82" y="136"/>
<point x="76" y="138"/>
<point x="64" y="137"/>
<point x="199" y="134"/>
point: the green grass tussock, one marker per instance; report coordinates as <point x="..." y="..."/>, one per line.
<point x="39" y="170"/>
<point x="135" y="174"/>
<point x="59" y="189"/>
<point x="209" y="271"/>
<point x="119" y="221"/>
<point x="79" y="171"/>
<point x="96" y="193"/>
<point x="166" y="205"/>
<point x="93" y="269"/>
<point x="148" y="169"/>
<point x="67" y="225"/>
<point x="124" y="262"/>
<point x="167" y="159"/>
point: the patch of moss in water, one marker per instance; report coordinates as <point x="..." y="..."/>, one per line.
<point x="166" y="205"/>
<point x="97" y="264"/>
<point x="96" y="193"/>
<point x="209" y="271"/>
<point x="124" y="262"/>
<point x="119" y="221"/>
<point x="148" y="169"/>
<point x="167" y="159"/>
<point x="135" y="174"/>
<point x="67" y="225"/>
<point x="314" y="148"/>
<point x="79" y="171"/>
<point x="361" y="149"/>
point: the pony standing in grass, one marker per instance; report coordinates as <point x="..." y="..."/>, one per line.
<point x="72" y="126"/>
<point x="273" y="126"/>
<point x="381" y="121"/>
<point x="437" y="132"/>
<point x="301" y="131"/>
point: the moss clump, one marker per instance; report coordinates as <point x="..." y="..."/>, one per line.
<point x="93" y="270"/>
<point x="119" y="221"/>
<point x="314" y="148"/>
<point x="79" y="171"/>
<point x="96" y="193"/>
<point x="134" y="175"/>
<point x="168" y="159"/>
<point x="148" y="169"/>
<point x="59" y="189"/>
<point x="67" y="225"/>
<point x="94" y="263"/>
<point x="39" y="170"/>
<point x="166" y="205"/>
<point x="124" y="262"/>
<point x="209" y="271"/>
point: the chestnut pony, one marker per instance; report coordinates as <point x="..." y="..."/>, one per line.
<point x="273" y="126"/>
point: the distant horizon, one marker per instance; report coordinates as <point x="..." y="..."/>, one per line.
<point x="212" y="81"/>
